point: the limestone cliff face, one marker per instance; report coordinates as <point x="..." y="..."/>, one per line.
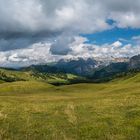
<point x="135" y="62"/>
<point x="79" y="66"/>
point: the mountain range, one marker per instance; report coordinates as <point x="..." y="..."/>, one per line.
<point x="86" y="67"/>
<point x="75" y="71"/>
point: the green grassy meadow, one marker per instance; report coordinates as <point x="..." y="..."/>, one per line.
<point x="36" y="110"/>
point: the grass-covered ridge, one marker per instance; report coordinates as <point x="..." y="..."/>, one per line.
<point x="34" y="109"/>
<point x="52" y="78"/>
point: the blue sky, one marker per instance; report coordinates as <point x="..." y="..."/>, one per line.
<point x="124" y="35"/>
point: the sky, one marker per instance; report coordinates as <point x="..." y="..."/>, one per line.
<point x="41" y="31"/>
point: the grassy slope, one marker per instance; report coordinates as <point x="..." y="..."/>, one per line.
<point x="17" y="75"/>
<point x="58" y="78"/>
<point x="37" y="110"/>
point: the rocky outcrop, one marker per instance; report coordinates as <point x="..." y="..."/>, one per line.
<point x="134" y="62"/>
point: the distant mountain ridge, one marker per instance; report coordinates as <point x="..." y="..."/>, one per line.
<point x="94" y="70"/>
<point x="80" y="66"/>
<point x="74" y="71"/>
<point x="89" y="67"/>
<point x="117" y="69"/>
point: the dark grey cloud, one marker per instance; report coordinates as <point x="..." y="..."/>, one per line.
<point x="59" y="15"/>
<point x="19" y="40"/>
<point x="62" y="44"/>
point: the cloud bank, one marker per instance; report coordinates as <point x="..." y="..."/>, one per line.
<point x="40" y="53"/>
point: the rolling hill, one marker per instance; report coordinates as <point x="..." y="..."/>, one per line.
<point x="34" y="109"/>
<point x="57" y="78"/>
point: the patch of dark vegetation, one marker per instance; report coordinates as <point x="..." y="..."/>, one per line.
<point x="9" y="78"/>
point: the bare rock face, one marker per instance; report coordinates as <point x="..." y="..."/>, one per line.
<point x="135" y="62"/>
<point x="79" y="66"/>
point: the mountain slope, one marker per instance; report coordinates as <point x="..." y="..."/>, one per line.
<point x="34" y="75"/>
<point x="109" y="72"/>
<point x="134" y="62"/>
<point x="79" y="67"/>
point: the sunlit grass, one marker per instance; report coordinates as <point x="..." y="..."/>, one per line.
<point x="39" y="111"/>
